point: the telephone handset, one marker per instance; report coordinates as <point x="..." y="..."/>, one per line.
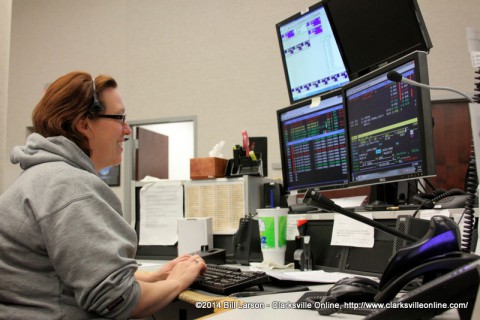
<point x="459" y="286"/>
<point x="442" y="236"/>
<point x="437" y="253"/>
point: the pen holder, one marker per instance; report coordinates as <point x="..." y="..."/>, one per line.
<point x="241" y="166"/>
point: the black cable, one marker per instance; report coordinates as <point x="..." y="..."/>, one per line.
<point x="430" y="184"/>
<point x="327" y="305"/>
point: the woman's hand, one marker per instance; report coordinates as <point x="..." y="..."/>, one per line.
<point x="187" y="270"/>
<point x="177" y="275"/>
<point x="165" y="270"/>
<point x="161" y="273"/>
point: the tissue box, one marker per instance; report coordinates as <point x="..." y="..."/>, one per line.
<point x="205" y="168"/>
<point x="193" y="234"/>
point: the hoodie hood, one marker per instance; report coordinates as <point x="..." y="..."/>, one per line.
<point x="39" y="149"/>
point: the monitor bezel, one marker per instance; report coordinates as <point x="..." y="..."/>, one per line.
<point x="286" y="181"/>
<point x="425" y="119"/>
<point x="372" y="43"/>
<point x="288" y="20"/>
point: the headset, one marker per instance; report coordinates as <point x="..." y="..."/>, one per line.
<point x="96" y="106"/>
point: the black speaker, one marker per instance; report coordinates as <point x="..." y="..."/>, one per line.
<point x="246" y="242"/>
<point x="413" y="226"/>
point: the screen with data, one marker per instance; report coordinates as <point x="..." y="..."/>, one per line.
<point x="311" y="57"/>
<point x="313" y="143"/>
<point x="390" y="124"/>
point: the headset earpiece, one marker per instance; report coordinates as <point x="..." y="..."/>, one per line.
<point x="96" y="106"/>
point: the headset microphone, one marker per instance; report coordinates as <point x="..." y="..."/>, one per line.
<point x="397" y="77"/>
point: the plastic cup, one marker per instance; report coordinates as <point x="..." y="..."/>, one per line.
<point x="272" y="225"/>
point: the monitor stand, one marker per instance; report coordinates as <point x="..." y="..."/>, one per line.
<point x="392" y="195"/>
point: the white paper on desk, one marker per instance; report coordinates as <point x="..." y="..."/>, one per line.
<point x="352" y="233"/>
<point x="350" y="202"/>
<point x="161" y="205"/>
<point x="318" y="276"/>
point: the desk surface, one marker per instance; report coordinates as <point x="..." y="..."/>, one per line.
<point x="273" y="306"/>
<point x="269" y="307"/>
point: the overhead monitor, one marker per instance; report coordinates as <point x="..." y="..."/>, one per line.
<point x="390" y="129"/>
<point x="311" y="58"/>
<point x="313" y="143"/>
<point x="372" y="33"/>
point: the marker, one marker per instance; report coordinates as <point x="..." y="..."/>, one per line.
<point x="253" y="156"/>
<point x="246" y="142"/>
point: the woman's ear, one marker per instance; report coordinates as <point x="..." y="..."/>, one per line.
<point x="82" y="126"/>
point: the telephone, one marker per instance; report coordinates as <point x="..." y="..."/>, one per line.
<point x="454" y="198"/>
<point x="436" y="259"/>
<point x="437" y="253"/>
<point x="459" y="286"/>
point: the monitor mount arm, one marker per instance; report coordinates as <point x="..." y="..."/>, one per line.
<point x="317" y="200"/>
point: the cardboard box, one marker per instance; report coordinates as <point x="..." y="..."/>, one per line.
<point x="194" y="233"/>
<point x="207" y="168"/>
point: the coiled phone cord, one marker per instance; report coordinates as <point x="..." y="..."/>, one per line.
<point x="471" y="188"/>
<point x="469" y="212"/>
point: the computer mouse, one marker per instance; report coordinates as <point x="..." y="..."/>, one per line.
<point x="354" y="289"/>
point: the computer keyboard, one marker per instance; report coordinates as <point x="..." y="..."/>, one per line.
<point x="226" y="280"/>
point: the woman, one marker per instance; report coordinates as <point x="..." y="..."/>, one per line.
<point x="65" y="250"/>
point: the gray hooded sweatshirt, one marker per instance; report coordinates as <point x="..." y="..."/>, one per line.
<point x="65" y="250"/>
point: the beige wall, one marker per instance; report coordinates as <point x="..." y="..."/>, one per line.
<point x="5" y="20"/>
<point x="216" y="59"/>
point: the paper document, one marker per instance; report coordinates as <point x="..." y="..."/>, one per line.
<point x="161" y="205"/>
<point x="350" y="202"/>
<point x="318" y="276"/>
<point x="352" y="233"/>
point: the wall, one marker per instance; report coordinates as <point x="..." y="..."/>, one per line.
<point x="5" y="20"/>
<point x="216" y="59"/>
<point x="449" y="59"/>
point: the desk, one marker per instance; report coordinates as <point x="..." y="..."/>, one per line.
<point x="270" y="313"/>
<point x="264" y="307"/>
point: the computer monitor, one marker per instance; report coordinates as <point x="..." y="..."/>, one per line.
<point x="313" y="143"/>
<point x="372" y="33"/>
<point x="390" y="127"/>
<point x="311" y="58"/>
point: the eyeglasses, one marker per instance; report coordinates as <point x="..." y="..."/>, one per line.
<point x="114" y="116"/>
